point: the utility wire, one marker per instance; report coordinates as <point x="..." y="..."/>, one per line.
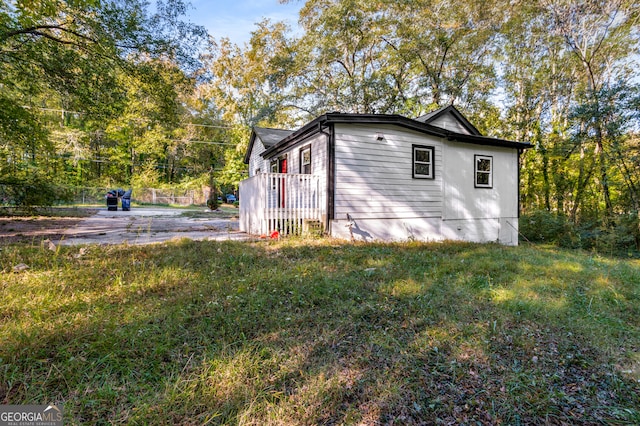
<point x="136" y="163"/>
<point x="76" y="112"/>
<point x="202" y="142"/>
<point x="209" y="125"/>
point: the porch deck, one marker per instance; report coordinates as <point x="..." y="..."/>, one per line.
<point x="279" y="202"/>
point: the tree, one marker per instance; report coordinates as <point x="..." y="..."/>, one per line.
<point x="58" y="55"/>
<point x="450" y="47"/>
<point x="561" y="61"/>
<point x="344" y="60"/>
<point x="601" y="35"/>
<point x="605" y="121"/>
<point x="252" y="85"/>
<point x="538" y="86"/>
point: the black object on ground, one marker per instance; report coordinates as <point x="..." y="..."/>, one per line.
<point x="112" y="201"/>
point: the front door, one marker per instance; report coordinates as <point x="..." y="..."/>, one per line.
<point x="282" y="168"/>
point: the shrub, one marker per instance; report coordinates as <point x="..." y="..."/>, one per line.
<point x="543" y="226"/>
<point x="33" y="191"/>
<point x="621" y="236"/>
<point x="212" y="202"/>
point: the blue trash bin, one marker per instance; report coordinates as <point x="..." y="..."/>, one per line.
<point x="126" y="200"/>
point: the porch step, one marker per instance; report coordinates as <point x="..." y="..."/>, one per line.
<point x="312" y="226"/>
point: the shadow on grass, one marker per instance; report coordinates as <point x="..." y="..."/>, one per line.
<point x="323" y="333"/>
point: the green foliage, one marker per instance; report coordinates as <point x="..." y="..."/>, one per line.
<point x="545" y="227"/>
<point x="68" y="70"/>
<point x="572" y="91"/>
<point x="33" y="191"/>
<point x="620" y="237"/>
<point x="319" y="332"/>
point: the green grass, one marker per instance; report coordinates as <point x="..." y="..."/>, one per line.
<point x="54" y="211"/>
<point x="226" y="211"/>
<point x="321" y="332"/>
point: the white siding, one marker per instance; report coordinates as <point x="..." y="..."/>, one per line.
<point x="449" y="122"/>
<point x="374" y="178"/>
<point x="420" y="229"/>
<point x="480" y="214"/>
<point x="255" y="160"/>
<point x="318" y="145"/>
<point x="463" y="200"/>
<point x="375" y="187"/>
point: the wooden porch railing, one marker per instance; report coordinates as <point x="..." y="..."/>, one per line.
<point x="279" y="202"/>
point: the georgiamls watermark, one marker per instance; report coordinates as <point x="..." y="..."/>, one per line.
<point x="30" y="415"/>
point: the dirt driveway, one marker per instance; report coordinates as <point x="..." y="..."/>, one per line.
<point x="140" y="225"/>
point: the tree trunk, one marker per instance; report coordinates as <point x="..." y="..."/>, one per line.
<point x="579" y="188"/>
<point x="604" y="177"/>
<point x="545" y="178"/>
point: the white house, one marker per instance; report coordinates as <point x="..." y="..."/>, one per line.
<point x="383" y="177"/>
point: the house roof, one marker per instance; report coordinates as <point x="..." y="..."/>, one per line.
<point x="317" y="125"/>
<point x="433" y="116"/>
<point x="267" y="136"/>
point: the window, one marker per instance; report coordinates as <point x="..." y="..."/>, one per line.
<point x="484" y="171"/>
<point x="423" y="162"/>
<point x="274" y="166"/>
<point x="305" y="160"/>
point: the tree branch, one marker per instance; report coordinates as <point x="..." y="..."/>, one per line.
<point x="38" y="30"/>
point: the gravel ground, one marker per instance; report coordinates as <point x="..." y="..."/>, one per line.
<point x="140" y="225"/>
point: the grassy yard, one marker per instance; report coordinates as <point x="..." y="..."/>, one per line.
<point x="321" y="332"/>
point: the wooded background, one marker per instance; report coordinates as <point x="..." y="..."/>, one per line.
<point x="117" y="93"/>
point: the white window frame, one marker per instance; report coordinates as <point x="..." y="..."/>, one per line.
<point x="431" y="163"/>
<point x="477" y="173"/>
<point x="302" y="162"/>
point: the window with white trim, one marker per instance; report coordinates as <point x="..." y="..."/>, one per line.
<point x="274" y="169"/>
<point x="423" y="162"/>
<point x="305" y="160"/>
<point x="483" y="171"/>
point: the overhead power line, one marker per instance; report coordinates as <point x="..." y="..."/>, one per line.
<point x="205" y="142"/>
<point x="209" y="125"/>
<point x="135" y="163"/>
<point x="77" y="112"/>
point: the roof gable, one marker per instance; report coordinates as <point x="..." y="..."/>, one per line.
<point x="449" y="118"/>
<point x="267" y="136"/>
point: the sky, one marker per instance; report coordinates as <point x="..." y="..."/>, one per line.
<point x="236" y="19"/>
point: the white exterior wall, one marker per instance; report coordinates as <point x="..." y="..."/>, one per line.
<point x="318" y="144"/>
<point x="480" y="214"/>
<point x="255" y="160"/>
<point x="375" y="186"/>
